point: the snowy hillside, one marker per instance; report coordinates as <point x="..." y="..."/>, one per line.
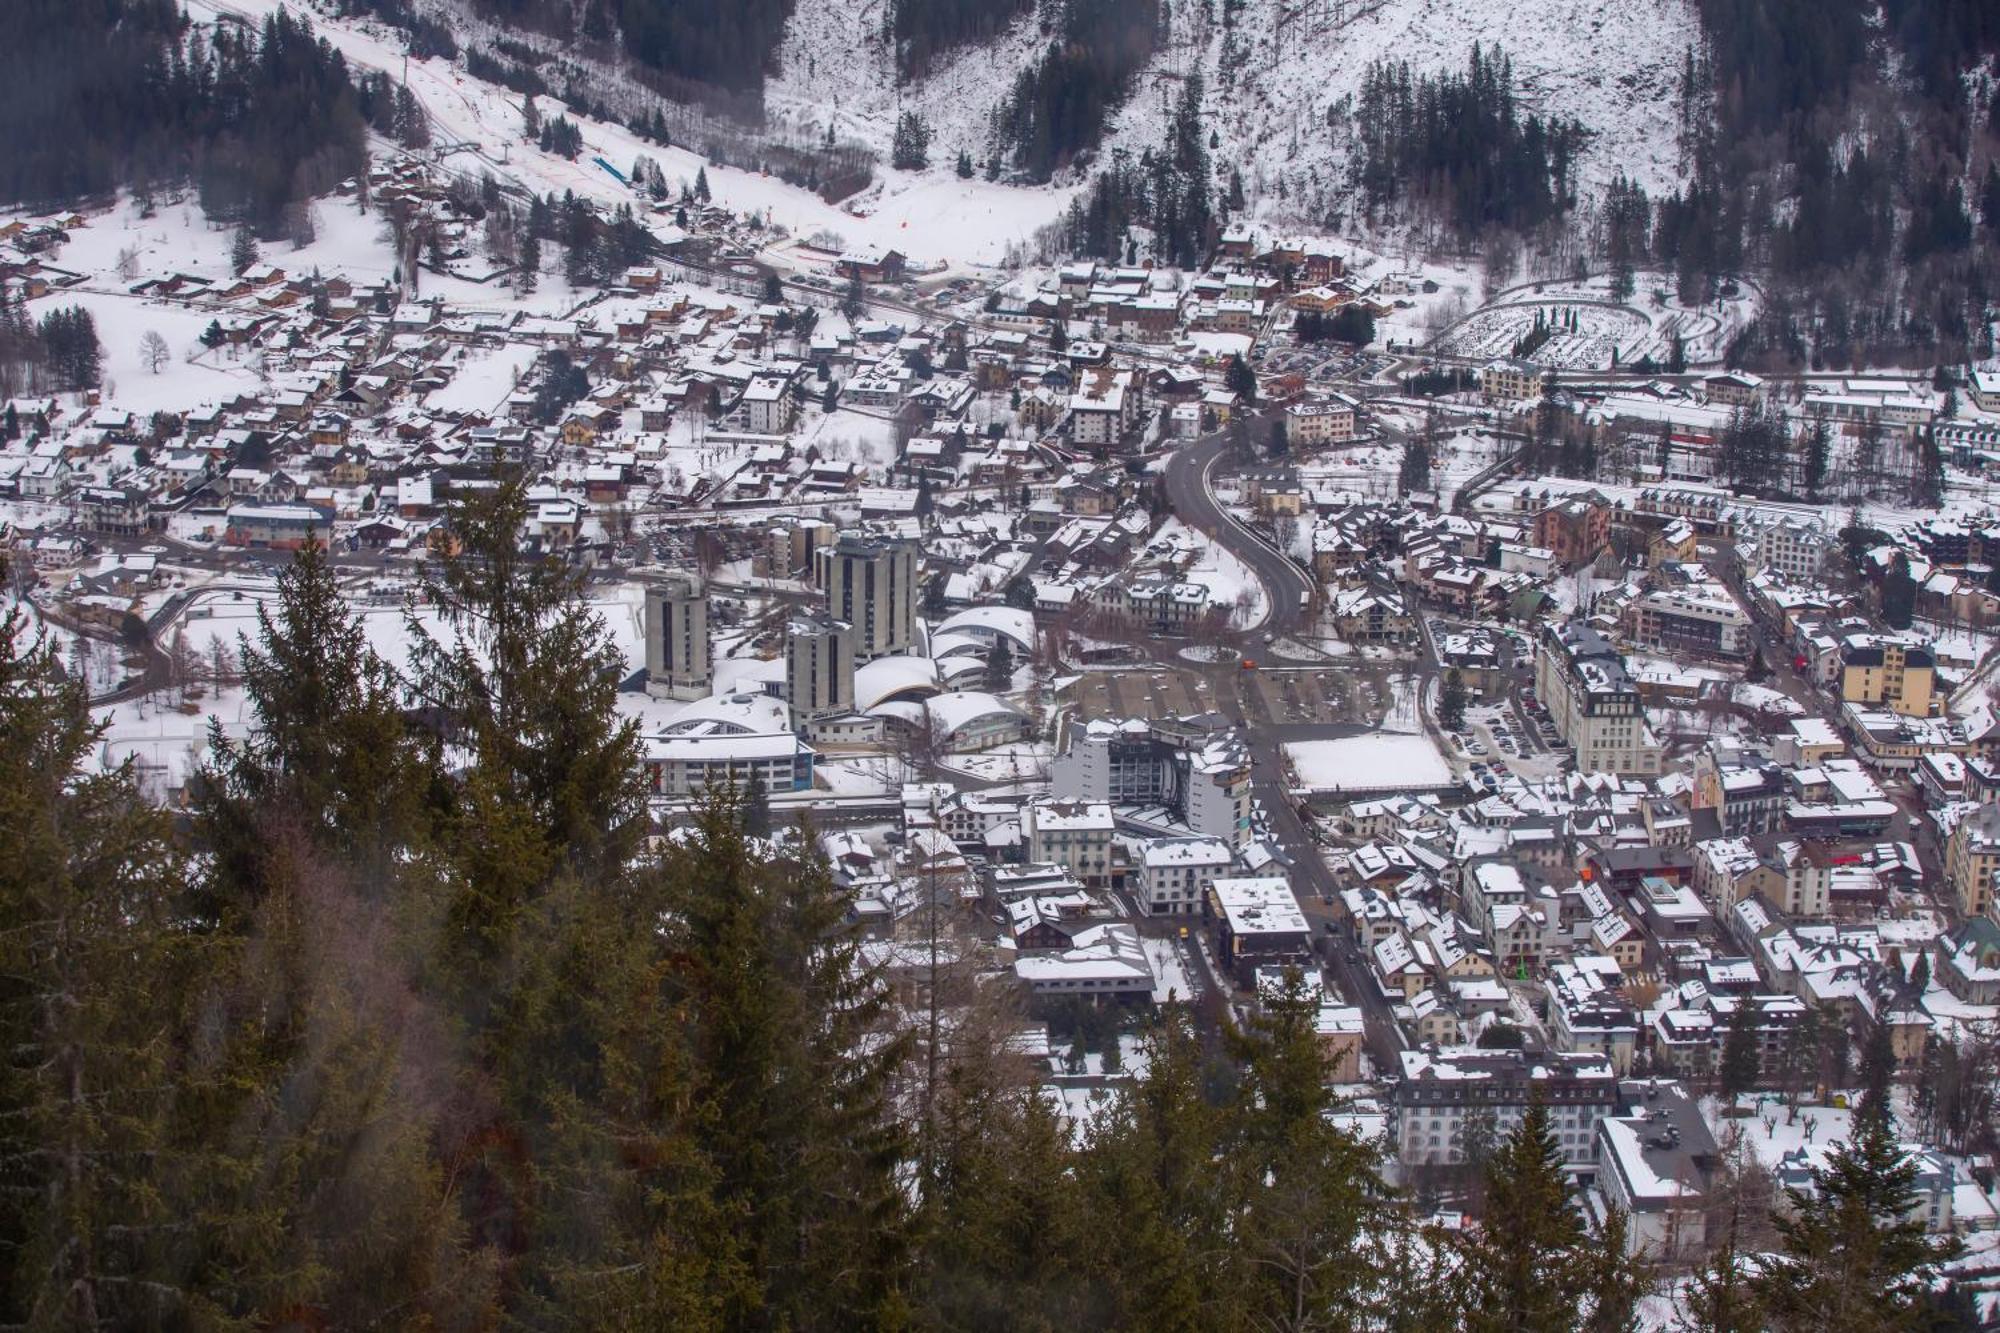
<point x="1270" y="83"/>
<point x="1612" y="66"/>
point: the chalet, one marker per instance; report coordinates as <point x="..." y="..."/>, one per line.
<point x="872" y="265"/>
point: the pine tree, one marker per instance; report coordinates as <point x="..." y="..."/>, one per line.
<point x="999" y="666"/>
<point x="756" y="806"/>
<point x="787" y="1080"/>
<point x="1522" y="1267"/>
<point x="1008" y="1232"/>
<point x="1818" y="452"/>
<point x="910" y="149"/>
<point x="1239" y="379"/>
<point x="90" y="888"/>
<point x="1616" y="1281"/>
<point x="1878" y="1068"/>
<point x="1855" y="1252"/>
<point x="1314" y="1213"/>
<point x="329" y="751"/>
<point x="1738" y="1065"/>
<point x="1451" y="701"/>
<point x="701" y="183"/>
<point x="519" y="673"/>
<point x="528" y="272"/>
<point x="964" y="165"/>
<point x="1899" y="594"/>
<point x="243" y="251"/>
<point x="1152" y="1160"/>
<point x="1414" y="473"/>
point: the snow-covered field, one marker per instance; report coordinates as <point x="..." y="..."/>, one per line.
<point x="1383" y="762"/>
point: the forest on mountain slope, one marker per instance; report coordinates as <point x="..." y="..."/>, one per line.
<point x="125" y="94"/>
<point x="412" y="1019"/>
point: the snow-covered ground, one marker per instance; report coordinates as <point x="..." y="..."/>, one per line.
<point x="1383" y="762"/>
<point x="1606" y="333"/>
<point x="1230" y="582"/>
<point x="931" y="216"/>
<point x="1613" y="67"/>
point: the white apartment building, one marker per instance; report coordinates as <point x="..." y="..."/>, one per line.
<point x="1444" y="1090"/>
<point x="1321" y="421"/>
<point x="1792" y="548"/>
<point x="1174" y="873"/>
<point x="1582" y="681"/>
<point x="1200" y="777"/>
<point x="1107" y="403"/>
<point x="1075" y="835"/>
<point x="819" y="670"/>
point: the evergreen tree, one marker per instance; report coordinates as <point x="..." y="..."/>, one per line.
<point x="999" y="666"/>
<point x="93" y="1002"/>
<point x="1414" y="474"/>
<point x="1352" y="324"/>
<point x="1524" y="1267"/>
<point x="1899" y="594"/>
<point x="1738" y="1065"/>
<point x="243" y="251"/>
<point x="519" y="676"/>
<point x="1878" y="1069"/>
<point x="787" y="1079"/>
<point x="1451" y="701"/>
<point x="1315" y="1214"/>
<point x="1239" y="379"/>
<point x="910" y="149"/>
<point x="1173" y="1262"/>
<point x="1855" y="1252"/>
<point x="701" y="183"/>
<point x="528" y="272"/>
<point x="756" y="806"/>
<point x="329" y="750"/>
<point x="964" y="165"/>
<point x="1818" y="452"/>
<point x="1615" y="1282"/>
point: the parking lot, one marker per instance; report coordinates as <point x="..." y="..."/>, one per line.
<point x="1146" y="692"/>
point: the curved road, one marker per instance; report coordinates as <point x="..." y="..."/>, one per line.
<point x="1188" y="475"/>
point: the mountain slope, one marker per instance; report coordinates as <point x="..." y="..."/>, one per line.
<point x="1273" y="76"/>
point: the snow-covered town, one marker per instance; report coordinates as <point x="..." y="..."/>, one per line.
<point x="1583" y="718"/>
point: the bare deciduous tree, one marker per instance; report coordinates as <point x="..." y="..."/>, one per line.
<point x="153" y="350"/>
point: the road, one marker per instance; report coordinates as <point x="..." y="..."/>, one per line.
<point x="1189" y="476"/>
